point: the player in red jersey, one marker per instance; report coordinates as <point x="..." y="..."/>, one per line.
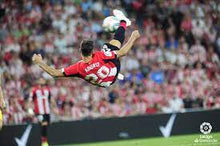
<point x="100" y="68"/>
<point x="41" y="97"/>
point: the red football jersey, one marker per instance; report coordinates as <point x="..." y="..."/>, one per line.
<point x="102" y="70"/>
<point x="41" y="97"/>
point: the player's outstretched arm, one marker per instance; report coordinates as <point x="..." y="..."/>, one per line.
<point x="37" y="59"/>
<point x="126" y="48"/>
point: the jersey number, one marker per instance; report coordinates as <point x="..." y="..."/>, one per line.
<point x="103" y="72"/>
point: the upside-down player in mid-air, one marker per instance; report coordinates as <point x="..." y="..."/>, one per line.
<point x="100" y="68"/>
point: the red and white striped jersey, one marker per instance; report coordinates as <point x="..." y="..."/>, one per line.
<point x="41" y="98"/>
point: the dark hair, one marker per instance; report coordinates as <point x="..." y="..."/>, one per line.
<point x="86" y="47"/>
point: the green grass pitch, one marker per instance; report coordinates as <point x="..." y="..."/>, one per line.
<point x="183" y="140"/>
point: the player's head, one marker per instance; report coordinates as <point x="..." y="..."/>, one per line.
<point x="41" y="81"/>
<point x="86" y="48"/>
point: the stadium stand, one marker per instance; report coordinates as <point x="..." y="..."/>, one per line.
<point x="174" y="66"/>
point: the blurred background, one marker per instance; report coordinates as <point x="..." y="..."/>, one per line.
<point x="173" y="67"/>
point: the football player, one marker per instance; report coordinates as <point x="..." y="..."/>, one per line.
<point x="2" y="103"/>
<point x="100" y="68"/>
<point x="41" y="97"/>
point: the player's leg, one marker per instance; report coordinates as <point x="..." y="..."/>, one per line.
<point x="44" y="140"/>
<point x="115" y="44"/>
<point x="44" y="126"/>
<point x="118" y="39"/>
<point x="2" y="102"/>
<point x="1" y="119"/>
<point x="119" y="35"/>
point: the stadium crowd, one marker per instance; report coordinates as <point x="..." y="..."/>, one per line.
<point x="173" y="67"/>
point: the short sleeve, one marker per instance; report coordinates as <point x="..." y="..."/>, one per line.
<point x="71" y="70"/>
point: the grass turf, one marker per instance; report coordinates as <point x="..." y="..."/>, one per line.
<point x="183" y="140"/>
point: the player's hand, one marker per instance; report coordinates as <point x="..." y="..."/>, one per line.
<point x="37" y="58"/>
<point x="136" y="34"/>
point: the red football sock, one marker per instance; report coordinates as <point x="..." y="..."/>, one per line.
<point x="43" y="139"/>
<point x="123" y="24"/>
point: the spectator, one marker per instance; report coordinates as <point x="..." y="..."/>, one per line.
<point x="173" y="67"/>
